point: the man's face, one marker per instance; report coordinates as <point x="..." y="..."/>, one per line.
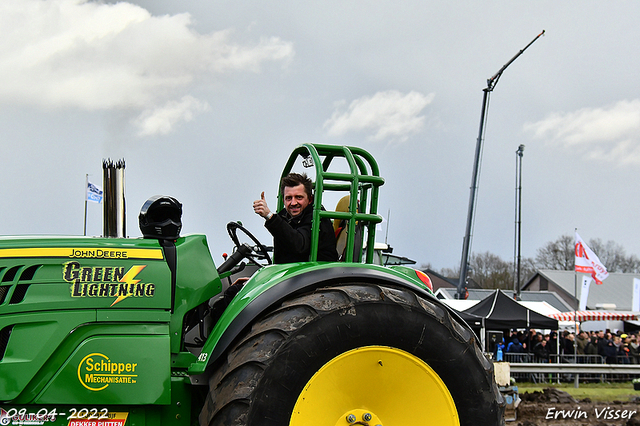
<point x="295" y="199"/>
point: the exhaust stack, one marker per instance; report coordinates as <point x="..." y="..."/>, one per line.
<point x="114" y="213"/>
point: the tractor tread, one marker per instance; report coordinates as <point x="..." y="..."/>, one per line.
<point x="234" y="386"/>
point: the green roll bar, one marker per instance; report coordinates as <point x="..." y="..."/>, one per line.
<point x="362" y="182"/>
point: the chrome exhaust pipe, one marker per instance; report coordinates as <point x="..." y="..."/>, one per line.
<point x="114" y="211"/>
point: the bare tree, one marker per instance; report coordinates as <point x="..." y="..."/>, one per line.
<point x="425" y="266"/>
<point x="613" y="256"/>
<point x="450" y="272"/>
<point x="490" y="271"/>
<point x="631" y="264"/>
<point x="527" y="269"/>
<point x="558" y="254"/>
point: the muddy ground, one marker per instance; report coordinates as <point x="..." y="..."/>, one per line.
<point x="553" y="407"/>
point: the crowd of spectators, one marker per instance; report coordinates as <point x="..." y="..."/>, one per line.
<point x="612" y="348"/>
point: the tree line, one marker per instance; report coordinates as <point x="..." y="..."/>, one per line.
<point x="491" y="271"/>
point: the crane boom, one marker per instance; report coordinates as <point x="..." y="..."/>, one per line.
<point x="491" y="83"/>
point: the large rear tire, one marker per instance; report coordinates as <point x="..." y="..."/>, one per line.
<point x="360" y="354"/>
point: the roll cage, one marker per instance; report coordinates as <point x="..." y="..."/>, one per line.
<point x="362" y="182"/>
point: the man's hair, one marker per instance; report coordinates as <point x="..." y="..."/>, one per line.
<point x="295" y="179"/>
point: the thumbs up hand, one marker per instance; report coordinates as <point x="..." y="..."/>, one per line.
<point x="261" y="208"/>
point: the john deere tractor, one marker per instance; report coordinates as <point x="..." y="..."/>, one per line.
<point x="147" y="331"/>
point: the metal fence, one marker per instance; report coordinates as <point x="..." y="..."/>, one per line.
<point x="526" y="367"/>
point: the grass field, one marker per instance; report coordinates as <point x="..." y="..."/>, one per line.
<point x="598" y="392"/>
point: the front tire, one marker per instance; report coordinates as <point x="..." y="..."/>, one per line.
<point x="384" y="355"/>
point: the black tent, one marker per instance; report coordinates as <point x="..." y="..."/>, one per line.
<point x="500" y="312"/>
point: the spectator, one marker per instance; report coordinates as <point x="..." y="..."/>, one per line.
<point x="610" y="351"/>
<point x="541" y="351"/>
<point x="592" y="346"/>
<point x="581" y="342"/>
<point x="531" y="339"/>
<point x="634" y="350"/>
<point x="624" y="353"/>
<point x="515" y="346"/>
<point x="602" y="343"/>
<point x="569" y="347"/>
<point x="552" y="344"/>
<point x="499" y="350"/>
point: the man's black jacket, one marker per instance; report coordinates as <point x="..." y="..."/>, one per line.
<point x="292" y="237"/>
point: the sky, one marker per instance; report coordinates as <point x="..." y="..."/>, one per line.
<point x="206" y="100"/>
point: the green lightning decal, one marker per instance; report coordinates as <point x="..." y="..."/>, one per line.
<point x="106" y="282"/>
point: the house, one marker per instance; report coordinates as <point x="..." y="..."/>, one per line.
<point x="616" y="292"/>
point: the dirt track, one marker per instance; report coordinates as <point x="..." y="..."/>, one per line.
<point x="557" y="408"/>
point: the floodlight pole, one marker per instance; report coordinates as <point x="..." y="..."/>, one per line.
<point x="491" y="83"/>
<point x="518" y="258"/>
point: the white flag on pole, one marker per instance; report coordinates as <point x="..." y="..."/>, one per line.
<point x="588" y="263"/>
<point x="584" y="292"/>
<point x="635" y="305"/>
<point x="94" y="193"/>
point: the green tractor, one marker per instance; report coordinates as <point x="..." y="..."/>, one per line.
<point x="145" y="331"/>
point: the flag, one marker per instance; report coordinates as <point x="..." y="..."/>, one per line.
<point x="635" y="304"/>
<point x="584" y="293"/>
<point x="587" y="262"/>
<point x="94" y="193"/>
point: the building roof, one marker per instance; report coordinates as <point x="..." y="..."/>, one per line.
<point x="617" y="289"/>
<point x="527" y="296"/>
<point x="549" y="297"/>
<point x="440" y="281"/>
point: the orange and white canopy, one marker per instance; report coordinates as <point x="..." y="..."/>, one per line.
<point x="594" y="316"/>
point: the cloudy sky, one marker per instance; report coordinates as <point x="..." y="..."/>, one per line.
<point x="205" y="101"/>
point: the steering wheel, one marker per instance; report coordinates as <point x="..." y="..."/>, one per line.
<point x="257" y="252"/>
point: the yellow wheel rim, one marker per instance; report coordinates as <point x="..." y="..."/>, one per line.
<point x="375" y="385"/>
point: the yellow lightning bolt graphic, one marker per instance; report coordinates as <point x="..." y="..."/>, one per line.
<point x="129" y="279"/>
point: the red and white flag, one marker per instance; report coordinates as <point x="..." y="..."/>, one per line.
<point x="587" y="262"/>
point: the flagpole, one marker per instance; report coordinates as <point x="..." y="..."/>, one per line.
<point x="86" y="185"/>
<point x="575" y="285"/>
